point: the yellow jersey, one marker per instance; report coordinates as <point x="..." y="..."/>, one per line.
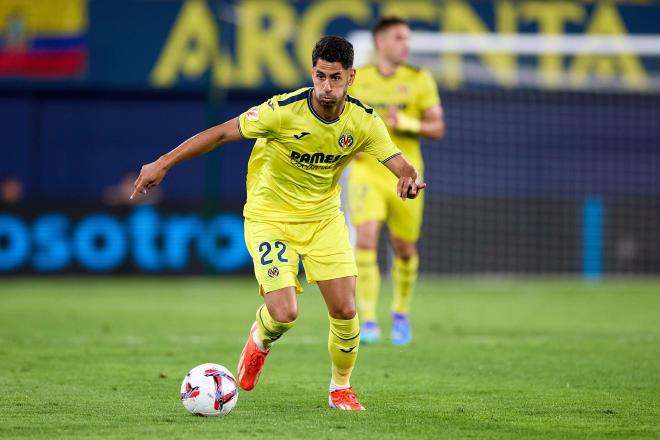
<point x="295" y="165"/>
<point x="411" y="90"/>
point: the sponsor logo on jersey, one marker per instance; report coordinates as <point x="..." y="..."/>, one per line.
<point x="301" y="135"/>
<point x="345" y="140"/>
<point x="252" y="114"/>
<point x="316" y="161"/>
<point x="273" y="272"/>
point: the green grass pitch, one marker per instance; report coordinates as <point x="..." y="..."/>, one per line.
<point x="491" y="358"/>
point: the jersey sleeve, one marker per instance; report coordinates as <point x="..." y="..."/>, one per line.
<point x="428" y="92"/>
<point x="379" y="144"/>
<point x="261" y="121"/>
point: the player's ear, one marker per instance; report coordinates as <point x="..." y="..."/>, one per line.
<point x="377" y="39"/>
<point x="351" y="76"/>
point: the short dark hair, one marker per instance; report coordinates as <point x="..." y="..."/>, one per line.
<point x="333" y="49"/>
<point x="385" y="23"/>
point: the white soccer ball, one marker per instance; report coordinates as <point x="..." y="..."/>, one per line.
<point x="209" y="390"/>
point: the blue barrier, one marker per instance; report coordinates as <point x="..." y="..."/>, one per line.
<point x="592" y="234"/>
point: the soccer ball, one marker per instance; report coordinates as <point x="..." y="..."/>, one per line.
<point x="209" y="390"/>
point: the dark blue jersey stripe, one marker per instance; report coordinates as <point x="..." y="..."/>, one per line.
<point x="300" y="96"/>
<point x="391" y="157"/>
<point x="359" y="104"/>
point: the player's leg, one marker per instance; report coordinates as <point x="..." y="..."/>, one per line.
<point x="404" y="223"/>
<point x="404" y="278"/>
<point x="368" y="211"/>
<point x="276" y="271"/>
<point x="329" y="261"/>
<point x="343" y="340"/>
<point x="368" y="283"/>
<point x="274" y="318"/>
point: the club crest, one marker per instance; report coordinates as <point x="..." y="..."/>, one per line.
<point x="273" y="272"/>
<point x="345" y="140"/>
<point x="252" y="114"/>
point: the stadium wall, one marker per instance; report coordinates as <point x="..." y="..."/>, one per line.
<point x="528" y="180"/>
<point x="506" y="194"/>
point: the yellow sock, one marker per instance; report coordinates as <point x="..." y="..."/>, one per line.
<point x="404" y="277"/>
<point x="368" y="283"/>
<point x="269" y="330"/>
<point x="343" y="345"/>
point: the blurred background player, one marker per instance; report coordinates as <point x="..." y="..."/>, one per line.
<point x="408" y="100"/>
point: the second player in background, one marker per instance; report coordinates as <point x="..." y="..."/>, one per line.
<point x="407" y="99"/>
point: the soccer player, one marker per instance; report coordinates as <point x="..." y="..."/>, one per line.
<point x="304" y="141"/>
<point x="408" y="99"/>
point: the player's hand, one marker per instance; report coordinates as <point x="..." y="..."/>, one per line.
<point x="392" y="117"/>
<point x="151" y="175"/>
<point x="409" y="188"/>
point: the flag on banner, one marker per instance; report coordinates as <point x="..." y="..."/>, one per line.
<point x="43" y="38"/>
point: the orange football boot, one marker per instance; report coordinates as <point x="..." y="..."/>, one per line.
<point x="251" y="362"/>
<point x="345" y="399"/>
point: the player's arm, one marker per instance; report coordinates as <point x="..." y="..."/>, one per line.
<point x="410" y="183"/>
<point x="153" y="173"/>
<point x="433" y="120"/>
<point x="380" y="146"/>
<point x="432" y="124"/>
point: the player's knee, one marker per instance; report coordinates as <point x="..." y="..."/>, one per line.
<point x="404" y="250"/>
<point x="343" y="311"/>
<point x="367" y="235"/>
<point x="284" y="314"/>
<point x="366" y="241"/>
<point x="407" y="254"/>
